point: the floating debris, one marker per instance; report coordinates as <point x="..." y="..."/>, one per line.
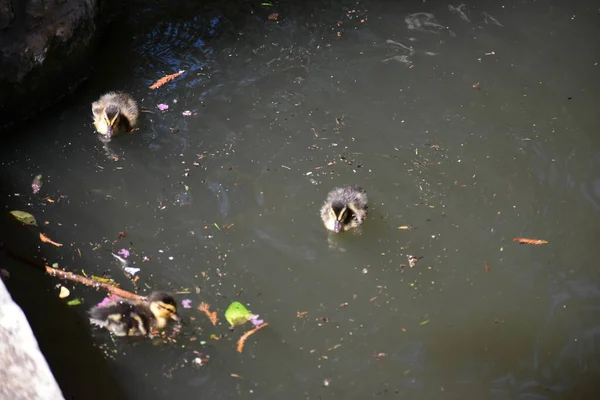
<point x="123" y="252"/>
<point x="46" y="239"/>
<point x="530" y="241"/>
<point x="64" y="292"/>
<point x="412" y="261"/>
<point x="186" y="303"/>
<point x="165" y="79"/>
<point x="24" y="217"/>
<point x="37" y="183"/>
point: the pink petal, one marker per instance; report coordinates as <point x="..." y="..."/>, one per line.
<point x="186" y="303"/>
<point x="162" y="107"/>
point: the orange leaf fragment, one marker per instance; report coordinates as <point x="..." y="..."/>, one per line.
<point x="205" y="308"/>
<point x="240" y="343"/>
<point x="274" y="16"/>
<point x="46" y="239"/>
<point x="530" y="241"/>
<point x="165" y="79"/>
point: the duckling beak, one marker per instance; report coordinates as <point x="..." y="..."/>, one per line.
<point x="109" y="131"/>
<point x="176" y="317"/>
<point x="337" y="226"/>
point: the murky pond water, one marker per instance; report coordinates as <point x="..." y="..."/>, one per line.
<point x="471" y="124"/>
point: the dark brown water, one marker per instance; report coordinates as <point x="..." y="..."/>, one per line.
<point x="472" y="124"/>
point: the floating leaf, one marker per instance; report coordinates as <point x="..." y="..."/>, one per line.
<point x="105" y="280"/>
<point x="24" y="217"/>
<point x="424" y="322"/>
<point x="64" y="292"/>
<point x="237" y="314"/>
<point x="74" y="302"/>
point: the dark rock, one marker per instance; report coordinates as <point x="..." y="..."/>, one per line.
<point x="6" y="14"/>
<point x="46" y="48"/>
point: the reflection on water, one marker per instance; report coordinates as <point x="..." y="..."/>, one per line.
<point x="476" y="136"/>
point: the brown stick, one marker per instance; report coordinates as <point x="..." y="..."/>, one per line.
<point x="92" y="282"/>
<point x="242" y="340"/>
<point x="74" y="277"/>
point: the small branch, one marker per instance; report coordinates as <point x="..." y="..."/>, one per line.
<point x="92" y="283"/>
<point x="242" y="340"/>
<point x="74" y="277"/>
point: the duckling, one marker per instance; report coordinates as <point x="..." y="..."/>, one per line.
<point x="131" y="318"/>
<point x="345" y="208"/>
<point x="114" y="112"/>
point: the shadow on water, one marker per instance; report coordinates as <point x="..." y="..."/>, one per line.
<point x="78" y="365"/>
<point x="466" y="124"/>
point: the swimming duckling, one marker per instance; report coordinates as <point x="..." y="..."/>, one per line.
<point x="114" y="112"/>
<point x="131" y="318"/>
<point x="345" y="208"/>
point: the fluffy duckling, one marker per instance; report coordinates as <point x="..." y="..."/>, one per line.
<point x="345" y="208"/>
<point x="130" y="318"/>
<point x="115" y="112"/>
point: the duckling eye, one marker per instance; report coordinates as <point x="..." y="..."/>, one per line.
<point x="166" y="308"/>
<point x="332" y="213"/>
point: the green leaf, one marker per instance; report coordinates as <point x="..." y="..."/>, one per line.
<point x="424" y="322"/>
<point x="24" y="217"/>
<point x="74" y="302"/>
<point x="216" y="226"/>
<point x="237" y="314"/>
<point x="105" y="280"/>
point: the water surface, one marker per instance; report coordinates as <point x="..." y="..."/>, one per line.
<point x="471" y="123"/>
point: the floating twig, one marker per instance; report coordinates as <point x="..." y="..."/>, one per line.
<point x="62" y="274"/>
<point x="46" y="239"/>
<point x="240" y="343"/>
<point x="165" y="79"/>
<point x="530" y="241"/>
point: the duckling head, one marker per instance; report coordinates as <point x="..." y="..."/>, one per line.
<point x="163" y="306"/>
<point x="111" y="116"/>
<point x="339" y="213"/>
